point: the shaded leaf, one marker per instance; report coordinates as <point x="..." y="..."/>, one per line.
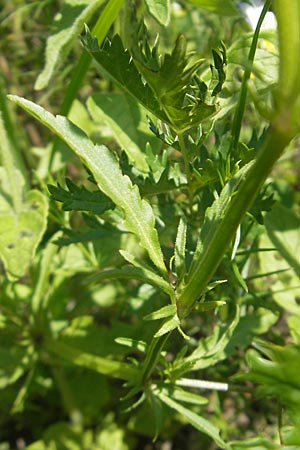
<point x="80" y="199"/>
<point x="164" y="92"/>
<point x="194" y="419"/>
<point x="21" y="232"/>
<point x="283" y="227"/>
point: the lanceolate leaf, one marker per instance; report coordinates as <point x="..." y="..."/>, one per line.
<point x="67" y="26"/>
<point x="179" y="251"/>
<point x="194" y="419"/>
<point x="139" y="216"/>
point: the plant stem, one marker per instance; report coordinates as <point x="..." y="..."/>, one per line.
<point x="279" y="135"/>
<point x="187" y="170"/>
<point x="239" y="112"/>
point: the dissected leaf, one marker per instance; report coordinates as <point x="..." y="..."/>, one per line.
<point x="116" y="62"/>
<point x="21" y="232"/>
<point x="171" y="78"/>
<point x="80" y="199"/>
<point x="164" y="92"/>
<point x="139" y="216"/>
<point x="68" y="24"/>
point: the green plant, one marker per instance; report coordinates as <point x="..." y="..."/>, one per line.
<point x="159" y="237"/>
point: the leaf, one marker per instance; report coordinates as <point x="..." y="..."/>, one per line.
<point x="213" y="348"/>
<point x="136" y="273"/>
<point x="257" y="443"/>
<point x="282" y="280"/>
<point x="139" y="216"/>
<point x="162" y="313"/>
<point x="221" y="7"/>
<point x="164" y="92"/>
<point x="135" y="344"/>
<point x="79" y="198"/>
<point x="278" y="373"/>
<point x="21" y="232"/>
<point x="194" y="419"/>
<point x="168" y="325"/>
<point x="171" y="78"/>
<point x="101" y="365"/>
<point x="179" y="251"/>
<point x="116" y="62"/>
<point x="283" y="227"/>
<point x="184" y="396"/>
<point x="127" y="122"/>
<point x="68" y="24"/>
<point x="160" y="10"/>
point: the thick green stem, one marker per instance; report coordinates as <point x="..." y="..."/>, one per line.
<point x="288" y="19"/>
<point x="277" y="139"/>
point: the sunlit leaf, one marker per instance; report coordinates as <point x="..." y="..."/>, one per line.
<point x="68" y="24"/>
<point x="139" y="216"/>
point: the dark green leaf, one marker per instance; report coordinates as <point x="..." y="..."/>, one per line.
<point x="80" y="199"/>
